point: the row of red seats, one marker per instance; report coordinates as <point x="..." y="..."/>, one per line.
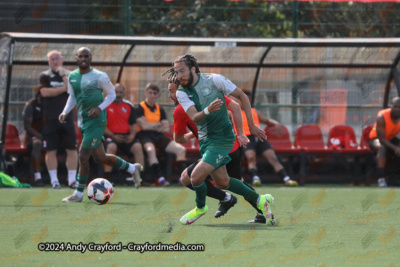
<point x="308" y="138"/>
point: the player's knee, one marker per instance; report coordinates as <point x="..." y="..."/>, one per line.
<point x="112" y="148"/>
<point x="222" y="183"/>
<point x="150" y="150"/>
<point x="251" y="157"/>
<point x="185" y="179"/>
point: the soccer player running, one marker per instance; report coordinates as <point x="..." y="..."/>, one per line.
<point x="205" y="92"/>
<point x="85" y="88"/>
<point x="181" y="122"/>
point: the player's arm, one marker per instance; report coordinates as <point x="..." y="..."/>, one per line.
<point x="164" y="123"/>
<point x="237" y="117"/>
<point x="254" y="129"/>
<point x="54" y="91"/>
<point x="108" y="88"/>
<point x="381" y="132"/>
<point x="270" y="122"/>
<point x="71" y="102"/>
<point x="132" y="125"/>
<point x="164" y="126"/>
<point x="147" y="126"/>
<point x="190" y="109"/>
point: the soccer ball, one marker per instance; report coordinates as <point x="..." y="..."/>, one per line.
<point x="100" y="191"/>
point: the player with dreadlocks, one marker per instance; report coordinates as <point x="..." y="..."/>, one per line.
<point x="202" y="98"/>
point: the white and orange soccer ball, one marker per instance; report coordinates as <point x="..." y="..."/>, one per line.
<point x="100" y="191"/>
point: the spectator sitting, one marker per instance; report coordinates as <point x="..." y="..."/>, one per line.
<point x="256" y="146"/>
<point x="382" y="138"/>
<point x="33" y="124"/>
<point x="121" y="130"/>
<point x="152" y="122"/>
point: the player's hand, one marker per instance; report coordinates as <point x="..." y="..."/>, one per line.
<point x="243" y="140"/>
<point x="157" y="126"/>
<point x="62" y="117"/>
<point x="61" y="71"/>
<point x="258" y="133"/>
<point x="129" y="139"/>
<point x="94" y="112"/>
<point x="215" y="105"/>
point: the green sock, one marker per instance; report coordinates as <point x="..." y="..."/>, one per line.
<point x="201" y="193"/>
<point x="81" y="183"/>
<point x="121" y="164"/>
<point x="236" y="186"/>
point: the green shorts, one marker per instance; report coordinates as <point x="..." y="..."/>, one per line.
<point x="216" y="153"/>
<point x="92" y="137"/>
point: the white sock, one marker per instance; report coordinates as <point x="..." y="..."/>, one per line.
<point x="227" y="197"/>
<point x="287" y="178"/>
<point x="258" y="199"/>
<point x="38" y="176"/>
<point x="71" y="177"/>
<point x="131" y="168"/>
<point x="78" y="194"/>
<point x="53" y="177"/>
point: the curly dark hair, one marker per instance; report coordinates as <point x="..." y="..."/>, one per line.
<point x="190" y="61"/>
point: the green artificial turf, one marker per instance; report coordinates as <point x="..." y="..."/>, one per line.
<point x="317" y="226"/>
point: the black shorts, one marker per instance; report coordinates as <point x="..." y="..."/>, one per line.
<point x="123" y="147"/>
<point x="159" y="140"/>
<point x="395" y="141"/>
<point x="257" y="145"/>
<point x="233" y="168"/>
<point x="59" y="135"/>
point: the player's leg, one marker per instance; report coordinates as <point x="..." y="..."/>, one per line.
<point x="381" y="152"/>
<point x="111" y="148"/>
<point x="83" y="176"/>
<point x="118" y="163"/>
<point x="150" y="149"/>
<point x="50" y="144"/>
<point x="36" y="154"/>
<point x="177" y="149"/>
<point x="251" y="156"/>
<point x="199" y="174"/>
<point x="68" y="137"/>
<point x="263" y="202"/>
<point x="137" y="151"/>
<point x="226" y="200"/>
<point x="234" y="170"/>
<point x="51" y="163"/>
<point x="269" y="154"/>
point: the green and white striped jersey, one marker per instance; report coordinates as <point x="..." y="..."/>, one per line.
<point x="88" y="90"/>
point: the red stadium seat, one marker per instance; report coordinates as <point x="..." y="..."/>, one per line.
<point x="192" y="147"/>
<point x="309" y="139"/>
<point x="280" y="143"/>
<point x="343" y="139"/>
<point x="13" y="144"/>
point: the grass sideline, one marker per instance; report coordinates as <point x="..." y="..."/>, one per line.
<point x="318" y="226"/>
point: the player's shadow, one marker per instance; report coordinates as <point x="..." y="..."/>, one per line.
<point x="242" y="226"/>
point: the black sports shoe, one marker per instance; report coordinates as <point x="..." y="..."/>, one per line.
<point x="261" y="219"/>
<point x="225" y="206"/>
